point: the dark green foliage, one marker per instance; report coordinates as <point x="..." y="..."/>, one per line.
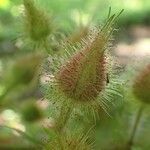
<point x="31" y="112"/>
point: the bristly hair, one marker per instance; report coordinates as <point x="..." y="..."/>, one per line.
<point x="84" y="76"/>
<point x="38" y="24"/>
<point x="80" y="141"/>
<point x="81" y="80"/>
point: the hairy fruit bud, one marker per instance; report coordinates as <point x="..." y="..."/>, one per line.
<point x="25" y="69"/>
<point x="84" y="76"/>
<point x="141" y="86"/>
<point x="37" y="22"/>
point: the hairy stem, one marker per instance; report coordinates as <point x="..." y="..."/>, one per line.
<point x="64" y="116"/>
<point x="62" y="120"/>
<point x="135" y="127"/>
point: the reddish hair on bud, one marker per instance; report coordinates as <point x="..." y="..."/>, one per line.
<point x="84" y="76"/>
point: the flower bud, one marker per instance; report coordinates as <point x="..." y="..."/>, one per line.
<point x="141" y="86"/>
<point x="83" y="77"/>
<point x="37" y="22"/>
<point x="25" y="69"/>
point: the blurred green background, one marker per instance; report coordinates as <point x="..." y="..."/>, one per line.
<point x="27" y="111"/>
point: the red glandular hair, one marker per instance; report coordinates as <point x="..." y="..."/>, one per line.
<point x="83" y="77"/>
<point x="141" y="86"/>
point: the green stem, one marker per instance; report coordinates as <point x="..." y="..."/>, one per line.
<point x="135" y="127"/>
<point x="62" y="120"/>
<point x="64" y="116"/>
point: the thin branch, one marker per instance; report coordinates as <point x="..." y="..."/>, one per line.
<point x="135" y="127"/>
